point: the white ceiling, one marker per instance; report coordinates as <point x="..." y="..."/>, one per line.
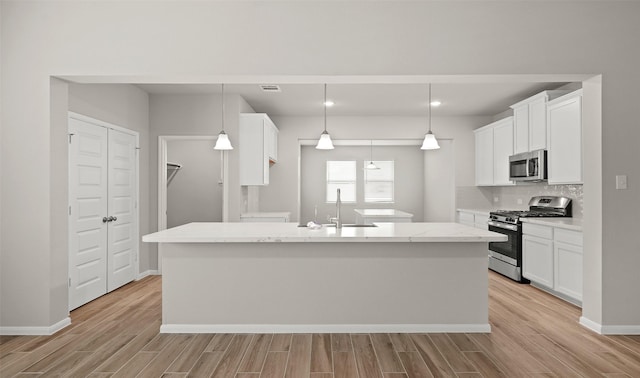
<point x="458" y="99"/>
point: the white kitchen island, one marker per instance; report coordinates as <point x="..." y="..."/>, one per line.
<point x="278" y="277"/>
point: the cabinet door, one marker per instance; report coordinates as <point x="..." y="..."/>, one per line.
<point x="521" y="129"/>
<point x="502" y="149"/>
<point x="564" y="121"/>
<point x="537" y="260"/>
<point x="568" y="272"/>
<point x="484" y="157"/>
<point x="538" y="124"/>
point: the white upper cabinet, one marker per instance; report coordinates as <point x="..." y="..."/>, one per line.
<point x="484" y="156"/>
<point x="258" y="146"/>
<point x="564" y="139"/>
<point x="502" y="149"/>
<point x="494" y="145"/>
<point x="530" y="122"/>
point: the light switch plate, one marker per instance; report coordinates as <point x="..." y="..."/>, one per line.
<point x="621" y="182"/>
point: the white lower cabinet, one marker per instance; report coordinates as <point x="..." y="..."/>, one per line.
<point x="552" y="259"/>
<point x="537" y="260"/>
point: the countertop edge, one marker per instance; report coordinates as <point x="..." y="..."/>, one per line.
<point x="556" y="223"/>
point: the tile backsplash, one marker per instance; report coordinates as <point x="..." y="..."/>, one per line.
<point x="516" y="197"/>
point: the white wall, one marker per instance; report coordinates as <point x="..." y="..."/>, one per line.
<point x="193" y="195"/>
<point x="408" y="181"/>
<point x="187" y="41"/>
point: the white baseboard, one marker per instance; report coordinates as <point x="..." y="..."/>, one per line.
<point x="325" y="328"/>
<point x="147" y="273"/>
<point x="610" y="329"/>
<point x="33" y="331"/>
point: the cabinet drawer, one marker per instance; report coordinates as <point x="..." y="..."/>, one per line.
<point x="568" y="236"/>
<point x="537" y="230"/>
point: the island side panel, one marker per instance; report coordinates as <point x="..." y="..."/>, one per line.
<point x="325" y="287"/>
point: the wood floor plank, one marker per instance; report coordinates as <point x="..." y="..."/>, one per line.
<point x="33" y="357"/>
<point x="484" y="365"/>
<point x="219" y="343"/>
<point x="321" y="358"/>
<point x="341" y="342"/>
<point x="437" y="364"/>
<point x="127" y="352"/>
<point x="402" y="342"/>
<point x="365" y="355"/>
<point x="247" y="375"/>
<point x="66" y="363"/>
<point x="387" y="356"/>
<point x="205" y="364"/>
<point x="232" y="357"/>
<point x="191" y="353"/>
<point x="463" y="342"/>
<point x="459" y="363"/>
<point x="344" y="364"/>
<point x="88" y="365"/>
<point x="281" y="342"/>
<point x="135" y="365"/>
<point x="275" y="365"/>
<point x="582" y="367"/>
<point x="395" y="375"/>
<point x="414" y="365"/>
<point x="321" y="375"/>
<point x="256" y="353"/>
<point x="299" y="364"/>
<point x="166" y="356"/>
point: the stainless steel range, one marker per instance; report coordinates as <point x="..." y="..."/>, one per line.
<point x="506" y="257"/>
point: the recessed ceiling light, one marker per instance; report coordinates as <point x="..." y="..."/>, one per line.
<point x="436" y="103"/>
<point x="329" y="103"/>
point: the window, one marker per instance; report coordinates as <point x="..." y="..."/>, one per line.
<point x="378" y="183"/>
<point x="341" y="175"/>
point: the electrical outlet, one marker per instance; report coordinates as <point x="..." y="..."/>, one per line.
<point x="621" y="182"/>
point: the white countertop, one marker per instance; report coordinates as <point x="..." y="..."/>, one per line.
<point x="383" y="213"/>
<point x="566" y="223"/>
<point x="216" y="232"/>
<point x="263" y="214"/>
<point x="477" y="211"/>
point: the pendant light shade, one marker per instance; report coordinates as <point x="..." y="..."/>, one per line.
<point x="223" y="143"/>
<point x="371" y="165"/>
<point x="430" y="142"/>
<point x="325" y="143"/>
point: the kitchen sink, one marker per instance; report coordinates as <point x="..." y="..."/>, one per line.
<point x="344" y="225"/>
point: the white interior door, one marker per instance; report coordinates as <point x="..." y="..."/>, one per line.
<point x="122" y="208"/>
<point x="88" y="205"/>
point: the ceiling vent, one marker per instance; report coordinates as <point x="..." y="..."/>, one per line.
<point x="270" y="88"/>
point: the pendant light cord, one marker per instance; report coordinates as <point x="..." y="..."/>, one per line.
<point x="429" y="106"/>
<point x="223" y="107"/>
<point x="325" y="108"/>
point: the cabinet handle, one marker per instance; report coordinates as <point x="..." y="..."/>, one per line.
<point x="113" y="219"/>
<point x="105" y="219"/>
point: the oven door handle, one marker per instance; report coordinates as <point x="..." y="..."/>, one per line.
<point x="511" y="227"/>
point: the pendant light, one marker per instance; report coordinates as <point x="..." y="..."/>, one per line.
<point x="223" y="142"/>
<point x="325" y="143"/>
<point x="430" y="142"/>
<point x="371" y="165"/>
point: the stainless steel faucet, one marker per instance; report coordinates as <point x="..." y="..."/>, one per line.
<point x="337" y="220"/>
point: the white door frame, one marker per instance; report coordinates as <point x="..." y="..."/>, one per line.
<point x="136" y="235"/>
<point x="162" y="181"/>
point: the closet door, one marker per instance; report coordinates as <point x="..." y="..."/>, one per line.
<point x="88" y="201"/>
<point x="122" y="209"/>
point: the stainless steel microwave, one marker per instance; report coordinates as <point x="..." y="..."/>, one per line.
<point x="528" y="166"/>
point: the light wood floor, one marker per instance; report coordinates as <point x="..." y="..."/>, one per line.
<point x="534" y="335"/>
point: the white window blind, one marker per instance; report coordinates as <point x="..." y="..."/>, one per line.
<point x="341" y="175"/>
<point x="378" y="183"/>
